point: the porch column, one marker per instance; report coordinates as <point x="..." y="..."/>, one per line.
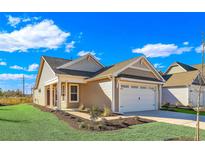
<point x="66" y="94"/>
<point x="59" y="95"/>
<point x="51" y="96"/>
<point x="113" y="94"/>
<point x="160" y="96"/>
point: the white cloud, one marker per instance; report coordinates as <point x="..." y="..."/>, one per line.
<point x="161" y="50"/>
<point x="41" y="35"/>
<point x="15" y="76"/>
<point x="186" y="43"/>
<point x="158" y="66"/>
<point x="198" y="49"/>
<point x="70" y="46"/>
<point x="27" y="19"/>
<point x="16" y="67"/>
<point x="32" y="67"/>
<point x="13" y="21"/>
<point x="2" y="63"/>
<point x="82" y="53"/>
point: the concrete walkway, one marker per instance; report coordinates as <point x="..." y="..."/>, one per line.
<point x="87" y="116"/>
<point x="170" y="117"/>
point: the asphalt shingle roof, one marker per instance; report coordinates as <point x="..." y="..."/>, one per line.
<point x="104" y="72"/>
<point x="56" y="62"/>
<point x="111" y="69"/>
<point x="186" y="67"/>
<point x="180" y="79"/>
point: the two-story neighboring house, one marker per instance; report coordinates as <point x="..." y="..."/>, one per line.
<point x="182" y="85"/>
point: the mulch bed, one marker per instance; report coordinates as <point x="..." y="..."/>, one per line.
<point x="84" y="124"/>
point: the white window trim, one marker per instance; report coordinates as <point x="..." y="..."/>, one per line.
<point x="78" y="93"/>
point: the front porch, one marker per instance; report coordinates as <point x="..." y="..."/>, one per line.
<point x="62" y="95"/>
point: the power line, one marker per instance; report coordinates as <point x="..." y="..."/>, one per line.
<point x="23" y="82"/>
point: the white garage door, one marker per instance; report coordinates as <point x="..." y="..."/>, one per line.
<point x="137" y="98"/>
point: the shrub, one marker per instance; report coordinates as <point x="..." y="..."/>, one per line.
<point x="90" y="127"/>
<point x="166" y="105"/>
<point x="94" y="113"/>
<point x="106" y="111"/>
<point x="78" y="120"/>
<point x="87" y="109"/>
<point x="101" y="126"/>
<point x="82" y="125"/>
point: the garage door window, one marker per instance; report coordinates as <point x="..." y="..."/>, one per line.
<point x="124" y="86"/>
<point x="143" y="87"/>
<point x="134" y="87"/>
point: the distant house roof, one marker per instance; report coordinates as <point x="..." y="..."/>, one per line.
<point x="186" y="67"/>
<point x="198" y="66"/>
<point x="180" y="79"/>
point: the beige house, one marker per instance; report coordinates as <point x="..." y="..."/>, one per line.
<point x="182" y="85"/>
<point x="132" y="85"/>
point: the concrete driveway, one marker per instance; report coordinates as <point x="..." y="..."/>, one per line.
<point x="170" y="117"/>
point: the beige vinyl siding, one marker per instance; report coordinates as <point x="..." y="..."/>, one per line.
<point x="176" y="95"/>
<point x="194" y="95"/>
<point x="96" y="93"/>
<point x="40" y="91"/>
<point x="141" y="64"/>
<point x="175" y="69"/>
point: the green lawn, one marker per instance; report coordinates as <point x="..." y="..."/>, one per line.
<point x="174" y="109"/>
<point x="24" y="122"/>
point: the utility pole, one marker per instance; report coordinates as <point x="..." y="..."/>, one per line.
<point x="23" y="82"/>
<point x="200" y="89"/>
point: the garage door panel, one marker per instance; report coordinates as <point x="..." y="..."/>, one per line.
<point x="137" y="99"/>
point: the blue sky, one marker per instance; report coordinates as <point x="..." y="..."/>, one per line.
<point x="112" y="37"/>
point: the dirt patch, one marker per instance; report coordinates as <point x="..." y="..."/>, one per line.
<point x="104" y="125"/>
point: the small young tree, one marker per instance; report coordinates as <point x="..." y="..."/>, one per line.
<point x="94" y="113"/>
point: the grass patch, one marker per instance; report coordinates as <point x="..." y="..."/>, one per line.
<point x="25" y="122"/>
<point x="188" y="111"/>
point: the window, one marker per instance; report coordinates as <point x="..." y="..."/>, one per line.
<point x="74" y="92"/>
